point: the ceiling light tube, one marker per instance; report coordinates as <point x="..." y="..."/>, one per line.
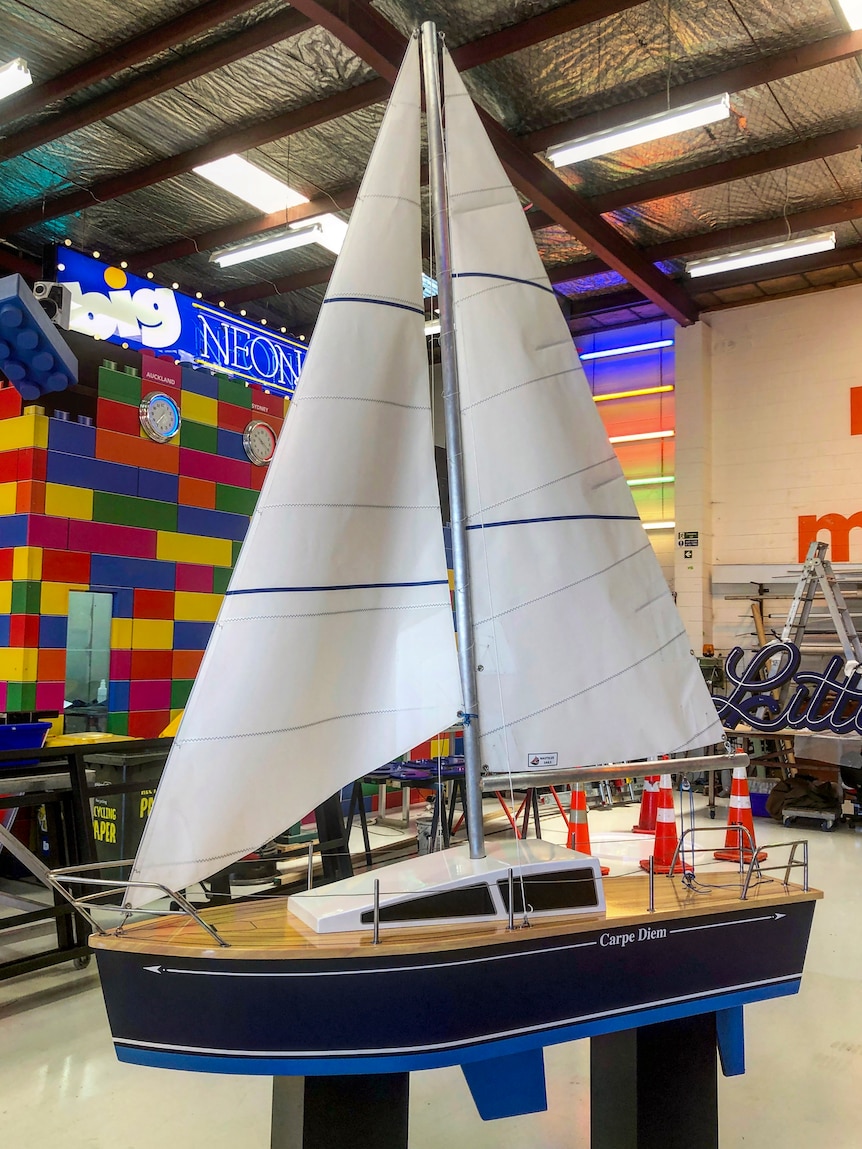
<point x="332" y="230"/>
<point x="250" y="183"/>
<point x="653" y="481"/>
<point x="14" y="76"/>
<point x="610" y="352"/>
<point x="283" y="241"/>
<point x="642" y="437"/>
<point x="661" y="389"/>
<point x="641" y="131"/>
<point x="667" y="525"/>
<point x="767" y="253"/>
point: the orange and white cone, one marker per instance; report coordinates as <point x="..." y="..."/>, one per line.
<point x="579" y="830"/>
<point x="666" y="836"/>
<point x="739" y="814"/>
<point x="649" y="806"/>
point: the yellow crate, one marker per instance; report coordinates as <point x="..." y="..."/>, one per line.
<point x="173" y="547"/>
<point x="18" y="664"/>
<point x="27" y="564"/>
<point x="121" y="633"/>
<point x="28" y="430"/>
<point x="8" y="497"/>
<point x="68" y="502"/>
<point x="196" y="606"/>
<point x="152" y="634"/>
<point x="199" y="408"/>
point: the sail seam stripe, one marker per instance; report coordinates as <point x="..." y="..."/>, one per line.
<point x="343" y="586"/>
<point x="548" y="519"/>
<point x="517" y="386"/>
<point x="358" y="506"/>
<point x="378" y="302"/>
<point x="334" y="613"/>
<point x="697" y="734"/>
<point x="293" y="730"/>
<point x="579" y="693"/>
<point x="549" y="483"/>
<point x="503" y="278"/>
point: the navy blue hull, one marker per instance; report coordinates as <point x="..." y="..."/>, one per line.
<point x="335" y="1016"/>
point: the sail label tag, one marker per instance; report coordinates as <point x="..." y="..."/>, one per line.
<point x="542" y="761"/>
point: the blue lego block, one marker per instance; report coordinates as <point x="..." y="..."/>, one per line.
<point x="13" y="530"/>
<point x="230" y="445"/>
<point x="71" y="438"/>
<point x="214" y="524"/>
<point x="118" y="696"/>
<point x="34" y="356"/>
<point x="52" y="631"/>
<point x="124" y="601"/>
<point x="158" y="485"/>
<point x="97" y="474"/>
<point x="5" y="626"/>
<point x="200" y="382"/>
<point x="151" y="574"/>
<point x="191" y="635"/>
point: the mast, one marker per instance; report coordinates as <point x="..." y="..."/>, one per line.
<point x="454" y="450"/>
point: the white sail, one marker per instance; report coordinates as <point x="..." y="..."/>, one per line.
<point x="583" y="656"/>
<point x="334" y="649"/>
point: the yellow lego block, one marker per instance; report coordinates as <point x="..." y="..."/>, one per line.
<point x="8" y="495"/>
<point x="28" y="430"/>
<point x="55" y="598"/>
<point x="18" y="664"/>
<point x="196" y="606"/>
<point x="5" y="598"/>
<point x="173" y="547"/>
<point x="199" y="408"/>
<point x="27" y="564"/>
<point x="121" y="632"/>
<point x="68" y="502"/>
<point x="152" y="634"/>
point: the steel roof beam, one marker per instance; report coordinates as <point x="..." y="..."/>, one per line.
<point x="122" y="55"/>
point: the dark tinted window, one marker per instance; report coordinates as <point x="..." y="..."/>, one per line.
<point x="563" y="890"/>
<point x="465" y="902"/>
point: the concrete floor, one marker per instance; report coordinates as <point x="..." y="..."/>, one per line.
<point x="60" y="1084"/>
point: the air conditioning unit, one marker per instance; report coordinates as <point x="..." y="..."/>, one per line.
<point x="56" y="301"/>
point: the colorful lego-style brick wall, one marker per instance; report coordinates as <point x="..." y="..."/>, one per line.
<point x="104" y="508"/>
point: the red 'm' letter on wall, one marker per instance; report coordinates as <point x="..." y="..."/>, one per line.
<point x="839" y="527"/>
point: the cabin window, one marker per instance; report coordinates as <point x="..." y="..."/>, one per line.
<point x="557" y="890"/>
<point x="464" y="902"/>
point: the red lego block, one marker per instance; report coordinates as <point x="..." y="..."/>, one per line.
<point x="45" y="531"/>
<point x="9" y="467"/>
<point x="148" y="723"/>
<point x="152" y="664"/>
<point x="214" y="468"/>
<point x="3" y="688"/>
<point x="136" y="452"/>
<point x="121" y="665"/>
<point x="50" y="695"/>
<point x="24" y="630"/>
<point x="107" y="539"/>
<point x="154" y="604"/>
<point x="197" y="493"/>
<point x="267" y="405"/>
<point x="51" y="666"/>
<point x="10" y="402"/>
<point x="192" y="577"/>
<point x="6" y="556"/>
<point x="33" y="464"/>
<point x="185" y="663"/>
<point x="30" y="498"/>
<point x="65" y="566"/>
<point x="257" y="477"/>
<point x="231" y="418"/>
<point x="120" y="417"/>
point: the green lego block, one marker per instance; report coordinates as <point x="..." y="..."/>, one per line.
<point x="235" y="548"/>
<point x="26" y="597"/>
<point x="128" y="511"/>
<point x="21" y="696"/>
<point x="120" y="386"/>
<point x="221" y="578"/>
<point x="199" y="437"/>
<point x="181" y="688"/>
<point x="234" y="391"/>
<point x="118" y="723"/>
<point x="238" y="500"/>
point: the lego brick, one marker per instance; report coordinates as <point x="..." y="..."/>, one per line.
<point x="25" y="431"/>
<point x="120" y="417"/>
<point x="109" y="570"/>
<point x="196" y="493"/>
<point x="30" y="499"/>
<point x="199" y="409"/>
<point x="8" y="465"/>
<point x="148" y="723"/>
<point x="230" y="444"/>
<point x="150" y="695"/>
<point x="17" y="664"/>
<point x="94" y="474"/>
<point x="51" y="664"/>
<point x="121" y="636"/>
<point x="237" y="500"/>
<point x="199" y="382"/>
<point x="180" y="691"/>
<point x="160" y="372"/>
<point x="47" y="531"/>
<point x="27" y="563"/>
<point x="221" y="579"/>
<point x="232" y="391"/>
<point x="119" y="386"/>
<point x="68" y="502"/>
<point x="200" y="465"/>
<point x="152" y="634"/>
<point x="154" y="604"/>
<point x="32" y="465"/>
<point x="191" y="635"/>
<point x="26" y="597"/>
<point x="215" y="524"/>
<point x="8" y="497"/>
<point x="234" y="418"/>
<point x="110" y="539"/>
<point x="7" y="562"/>
<point x="24" y="630"/>
<point x="199" y="436"/>
<point x="150" y="664"/>
<point x="191" y="607"/>
<point x="183" y="548"/>
<point x="50" y="695"/>
<point x="158" y="485"/>
<point x="10" y="402"/>
<point x="257" y="478"/>
<point x="124" y="600"/>
<point x="185" y="663"/>
<point x="118" y="696"/>
<point x="112" y="447"/>
<point x="235" y="548"/>
<point x="5" y="629"/>
<point x="34" y="356"/>
<point x="192" y="577"/>
<point x="55" y="597"/>
<point x="267" y="404"/>
<point x="118" y="723"/>
<point x="3" y="689"/>
<point x="178" y="713"/>
<point x="53" y="629"/>
<point x="131" y="511"/>
<point x="20" y="696"/>
<point x="13" y="530"/>
<point x="65" y="566"/>
<point x="72" y="437"/>
<point x="121" y="665"/>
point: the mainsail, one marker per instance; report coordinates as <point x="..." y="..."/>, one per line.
<point x="334" y="649"/>
<point x="583" y="657"/>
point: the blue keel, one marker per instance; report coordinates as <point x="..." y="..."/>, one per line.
<point x="730" y="1036"/>
<point x="508" y="1086"/>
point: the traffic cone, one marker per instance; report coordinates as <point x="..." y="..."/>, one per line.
<point x="666" y="836"/>
<point x="649" y="805"/>
<point x="579" y="830"/>
<point x="739" y="814"/>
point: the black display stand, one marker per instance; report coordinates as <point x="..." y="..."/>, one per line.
<point x="356" y="1112"/>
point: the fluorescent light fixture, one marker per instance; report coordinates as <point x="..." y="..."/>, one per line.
<point x="641" y="131"/>
<point x="14" y="76"/>
<point x="852" y="10"/>
<point x="429" y="286"/>
<point x="432" y="326"/>
<point x="768" y="253"/>
<point x="332" y="230"/>
<point x="610" y="352"/>
<point x="641" y="437"/>
<point x="652" y="482"/>
<point x="283" y="241"/>
<point x="250" y="183"/>
<point x="658" y="390"/>
<point x="667" y="525"/>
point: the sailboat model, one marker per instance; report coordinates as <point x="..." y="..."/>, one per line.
<point x="335" y="652"/>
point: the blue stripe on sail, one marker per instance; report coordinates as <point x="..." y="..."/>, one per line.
<point x="346" y="586"/>
<point x="549" y="519"/>
<point x="379" y="302"/>
<point x="505" y="278"/>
